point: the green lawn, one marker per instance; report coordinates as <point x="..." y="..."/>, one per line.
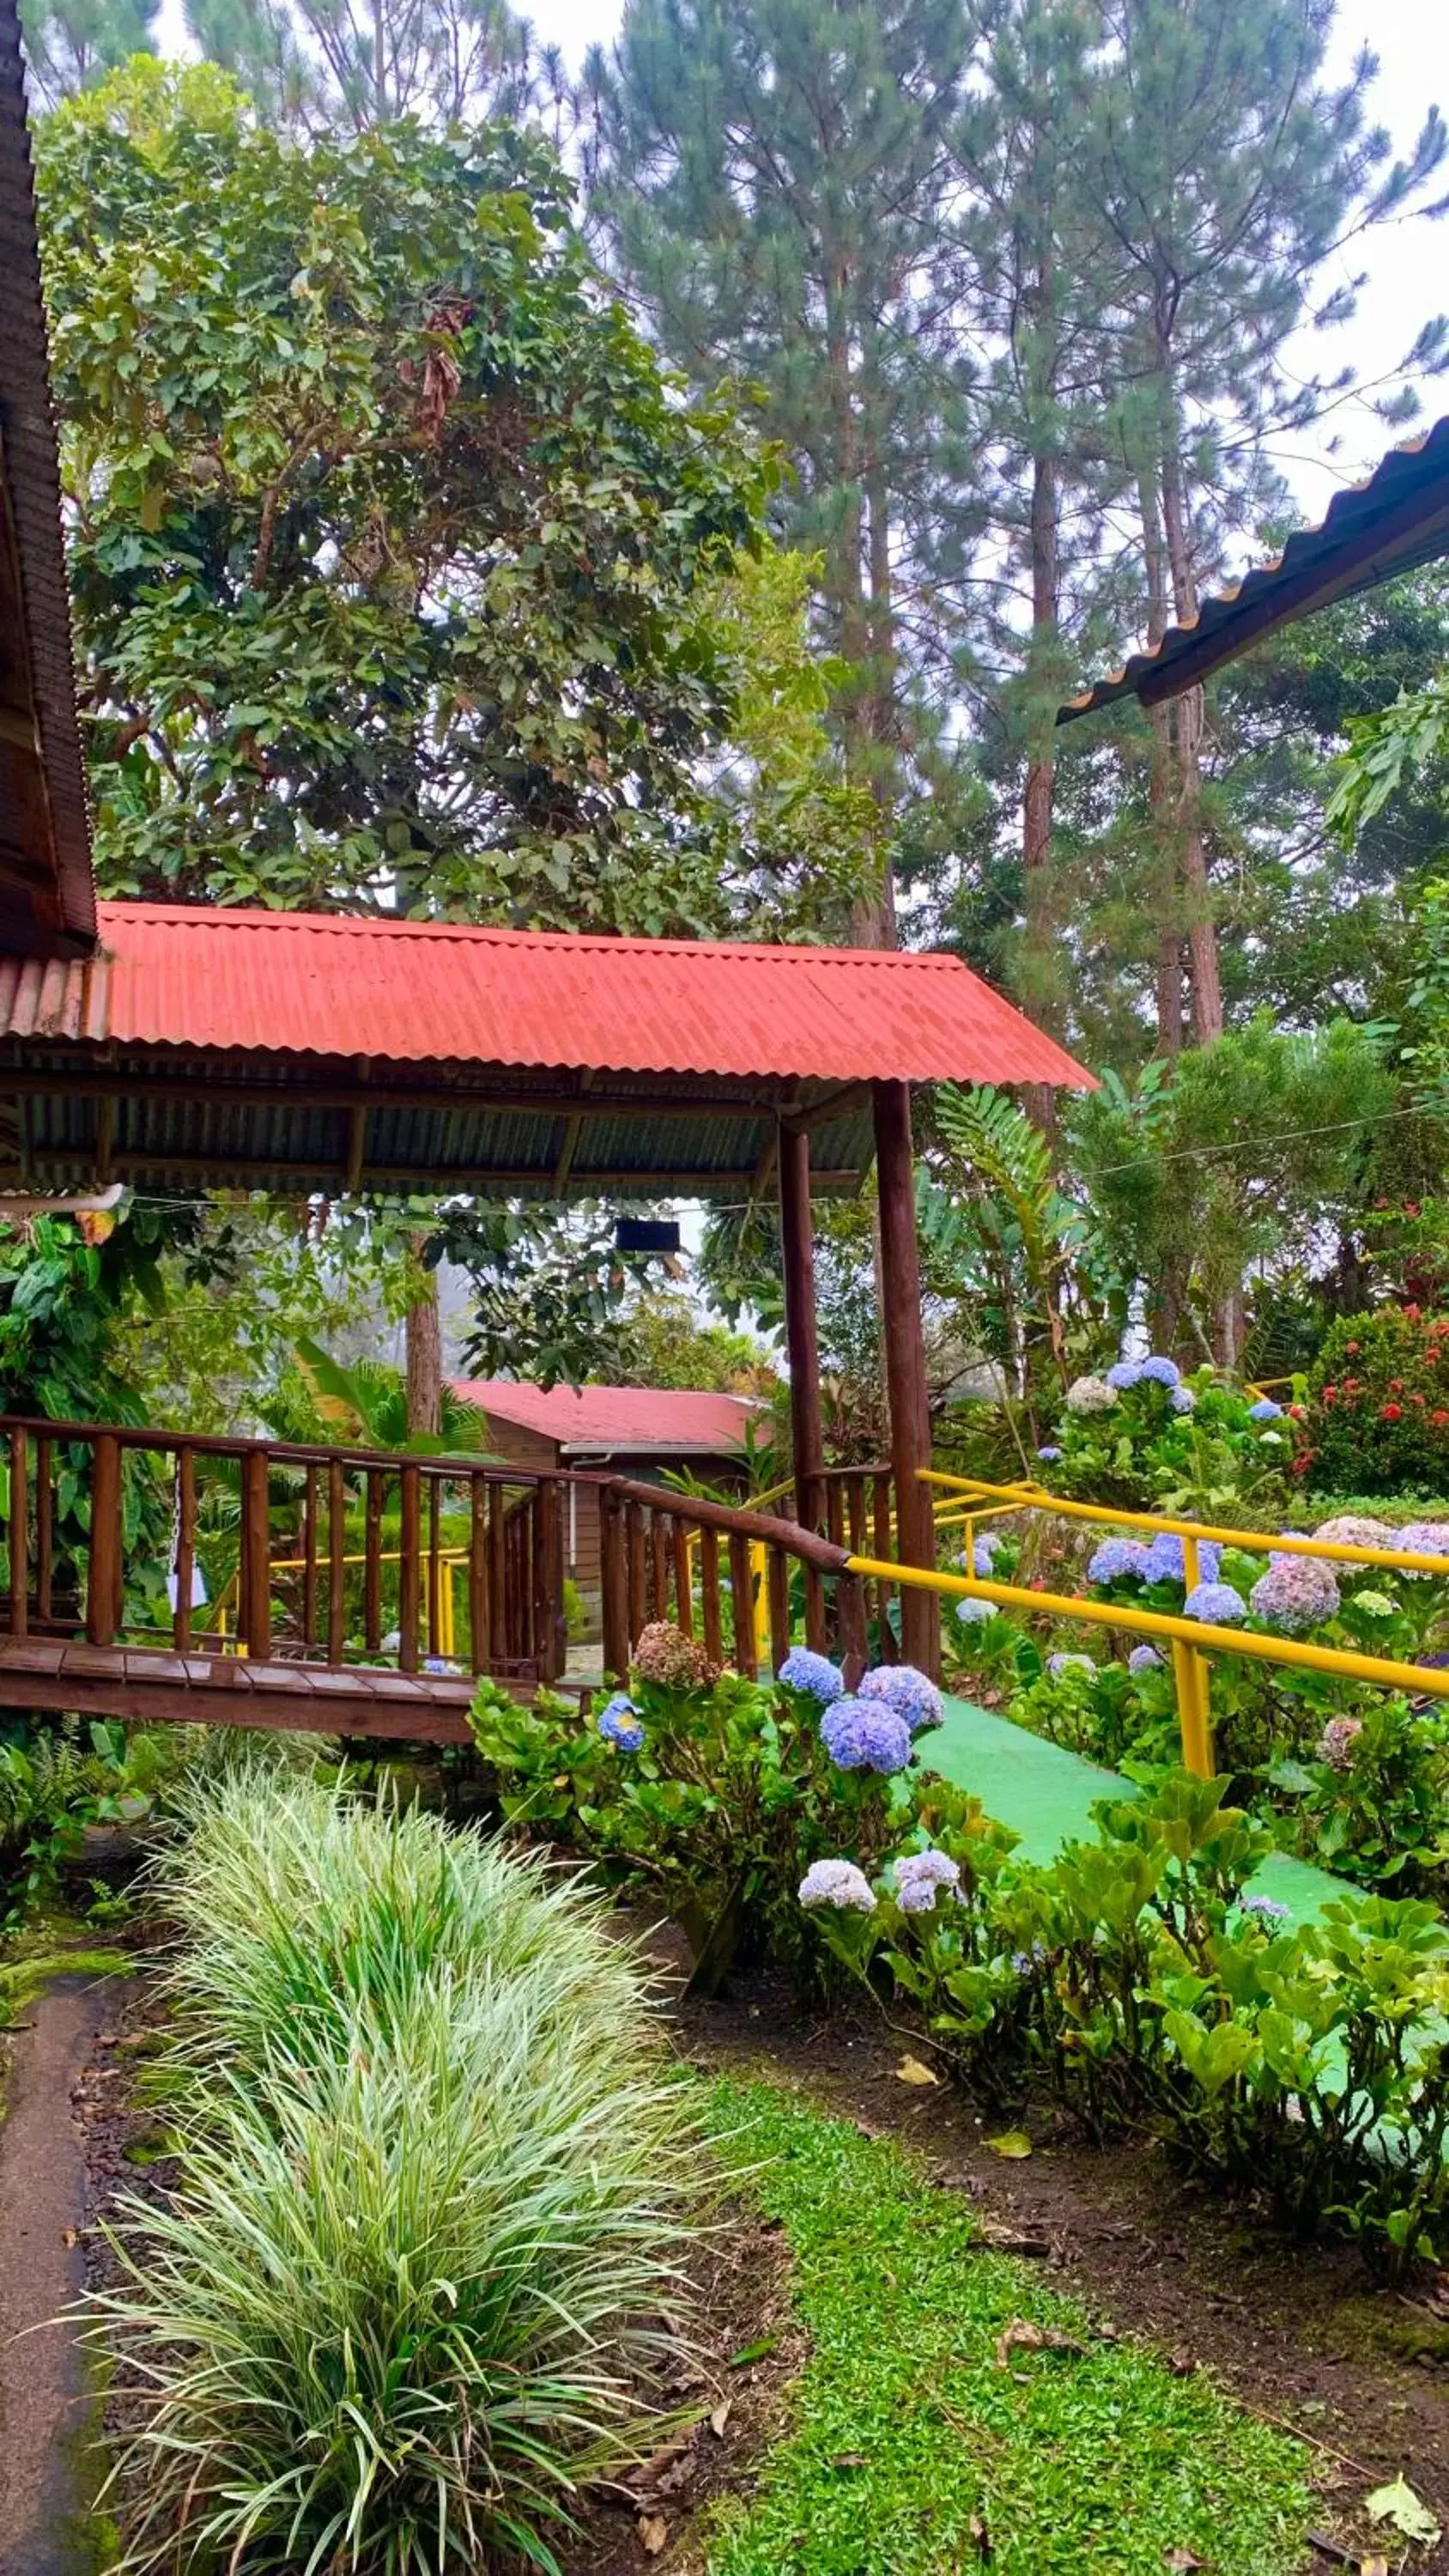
<point x="905" y="2425"/>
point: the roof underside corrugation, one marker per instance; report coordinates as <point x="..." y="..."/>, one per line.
<point x="190" y="1135"/>
<point x="1395" y="521"/>
<point x="432" y="993"/>
<point x="46" y="889"/>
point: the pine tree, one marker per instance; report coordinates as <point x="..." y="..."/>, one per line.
<point x="1225" y="171"/>
<point x="71" y="44"/>
<point x="357" y="63"/>
<point x="772" y="177"/>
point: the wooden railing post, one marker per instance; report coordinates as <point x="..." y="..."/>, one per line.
<point x="103" y="1574"/>
<point x="777" y="1582"/>
<point x="554" y="1638"/>
<point x="634" y="1538"/>
<point x="850" y="1622"/>
<point x="19" y="1533"/>
<point x="709" y="1592"/>
<point x="256" y="1556"/>
<point x="742" y="1605"/>
<point x="410" y="1566"/>
<point x="683" y="1577"/>
<point x="336" y="1563"/>
<point x="478" y="1573"/>
<point x="185" y="1549"/>
<point x="613" y="1586"/>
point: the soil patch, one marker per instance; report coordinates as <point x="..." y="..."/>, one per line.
<point x="48" y="2474"/>
<point x="1299" y="2333"/>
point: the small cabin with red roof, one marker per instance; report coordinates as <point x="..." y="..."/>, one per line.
<point x="638" y="1431"/>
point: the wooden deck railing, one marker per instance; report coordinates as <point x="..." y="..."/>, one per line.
<point x="666" y="1555"/>
<point x="126" y="1543"/>
<point x="305" y="1554"/>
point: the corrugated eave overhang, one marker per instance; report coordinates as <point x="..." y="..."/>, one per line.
<point x="1392" y="523"/>
<point x="207" y="1049"/>
<point x="47" y="894"/>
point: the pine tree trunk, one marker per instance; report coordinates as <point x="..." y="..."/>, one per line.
<point x="1161" y="796"/>
<point x="1202" y="937"/>
<point x="423" y="1335"/>
<point x="1040" y="979"/>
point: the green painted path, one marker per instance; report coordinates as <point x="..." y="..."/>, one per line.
<point x="1046" y="1794"/>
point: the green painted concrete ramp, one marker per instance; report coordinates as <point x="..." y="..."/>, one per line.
<point x="1046" y="1795"/>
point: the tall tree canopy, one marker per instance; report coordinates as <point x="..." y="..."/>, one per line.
<point x="403" y="574"/>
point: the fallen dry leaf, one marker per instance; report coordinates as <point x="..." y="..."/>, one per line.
<point x="980" y="2535"/>
<point x="1183" y="2561"/>
<point x="1398" y="2504"/>
<point x="1012" y="2142"/>
<point x="653" y="2532"/>
<point x="1373" y="2567"/>
<point x="911" y="2071"/>
<point x="1022" y="2336"/>
<point x="848" y="2460"/>
<point x="720" y="2417"/>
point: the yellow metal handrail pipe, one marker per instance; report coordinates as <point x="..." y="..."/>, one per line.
<point x="1256" y="1542"/>
<point x="1194" y="1633"/>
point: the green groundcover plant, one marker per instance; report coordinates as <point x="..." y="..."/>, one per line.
<point x="1303" y="2062"/>
<point x="420" y="2271"/>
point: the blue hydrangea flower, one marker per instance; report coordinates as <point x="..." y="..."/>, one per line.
<point x="1024" y="1961"/>
<point x="920" y="1876"/>
<point x="1183" y="1400"/>
<point x="1124" y="1374"/>
<point x="1049" y="1451"/>
<point x="865" y="1735"/>
<point x="983" y="1554"/>
<point x="813" y="1674"/>
<point x="913" y="1695"/>
<point x="1265" y="1909"/>
<point x="1161" y="1372"/>
<point x="1165" y="1561"/>
<point x="619" y="1725"/>
<point x="1143" y="1659"/>
<point x="1116" y="1557"/>
<point x="838" y="1883"/>
<point x="1058" y="1664"/>
<point x="1218" y="1605"/>
<point x="1265" y="1410"/>
<point x="974" y="1614"/>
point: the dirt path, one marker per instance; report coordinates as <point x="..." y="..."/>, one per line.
<point x="46" y="2477"/>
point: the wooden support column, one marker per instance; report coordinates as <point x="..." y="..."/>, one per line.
<point x="905" y="1358"/>
<point x="802" y="1344"/>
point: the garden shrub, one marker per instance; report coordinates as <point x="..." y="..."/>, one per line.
<point x="420" y="2267"/>
<point x="707" y="1794"/>
<point x="1143" y="1437"/>
<point x="1377" y="1405"/>
<point x="1305" y="2062"/>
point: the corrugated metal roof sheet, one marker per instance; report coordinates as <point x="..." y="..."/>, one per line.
<point x="415" y="993"/>
<point x="1397" y="519"/>
<point x="610" y="1418"/>
<point x="47" y="896"/>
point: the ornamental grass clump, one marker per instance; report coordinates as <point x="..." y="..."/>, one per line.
<point x="421" y="2267"/>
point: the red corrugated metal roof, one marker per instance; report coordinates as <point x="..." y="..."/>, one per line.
<point x="614" y="1418"/>
<point x="424" y="992"/>
<point x="1395" y="520"/>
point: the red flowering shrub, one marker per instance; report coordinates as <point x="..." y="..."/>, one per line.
<point x="1378" y="1405"/>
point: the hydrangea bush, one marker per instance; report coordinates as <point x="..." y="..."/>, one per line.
<point x="1144" y="1437"/>
<point x="713" y="1796"/>
<point x="1153" y="1987"/>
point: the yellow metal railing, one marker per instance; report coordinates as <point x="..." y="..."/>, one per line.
<point x="1190" y="1641"/>
<point x="448" y="1559"/>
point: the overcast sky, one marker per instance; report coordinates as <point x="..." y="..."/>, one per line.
<point x="1407" y="264"/>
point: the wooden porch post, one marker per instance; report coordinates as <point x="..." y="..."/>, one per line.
<point x="905" y="1358"/>
<point x="802" y="1343"/>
